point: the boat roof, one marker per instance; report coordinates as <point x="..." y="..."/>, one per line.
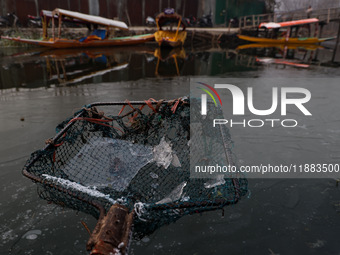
<point x="91" y="18"/>
<point x="270" y="25"/>
<point x="163" y="19"/>
<point x="48" y="14"/>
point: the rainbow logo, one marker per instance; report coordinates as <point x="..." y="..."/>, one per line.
<point x="204" y="97"/>
<point x="209" y="93"/>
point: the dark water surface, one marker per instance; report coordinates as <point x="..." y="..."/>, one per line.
<point x="39" y="89"/>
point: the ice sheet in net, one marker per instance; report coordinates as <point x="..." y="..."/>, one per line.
<point x="108" y="162"/>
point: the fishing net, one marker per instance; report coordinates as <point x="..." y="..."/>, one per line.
<point x="135" y="157"/>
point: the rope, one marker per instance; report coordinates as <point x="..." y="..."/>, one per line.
<point x="177" y="101"/>
<point x="97" y="121"/>
<point x="140" y="210"/>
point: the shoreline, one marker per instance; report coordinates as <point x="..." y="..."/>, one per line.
<point x="196" y="35"/>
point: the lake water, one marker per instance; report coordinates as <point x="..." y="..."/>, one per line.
<point x="39" y="89"/>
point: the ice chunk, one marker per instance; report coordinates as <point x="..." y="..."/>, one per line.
<point x="164" y="156"/>
<point x="219" y="180"/>
<point x="145" y="239"/>
<point x="108" y="162"/>
<point x="32" y="234"/>
<point x="76" y="186"/>
<point x="153" y="175"/>
<point x="175" y="161"/>
<point x="174" y="195"/>
<point x="163" y="153"/>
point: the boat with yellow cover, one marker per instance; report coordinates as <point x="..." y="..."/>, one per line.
<point x="286" y="33"/>
<point x="169" y="38"/>
<point x="98" y="38"/>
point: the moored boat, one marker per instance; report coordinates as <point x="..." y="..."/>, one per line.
<point x="303" y="40"/>
<point x="98" y="38"/>
<point x="286" y="33"/>
<point x="169" y="38"/>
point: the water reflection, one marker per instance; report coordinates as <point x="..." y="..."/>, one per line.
<point x="165" y="55"/>
<point x="41" y="68"/>
<point x="301" y="56"/>
<point x="45" y="68"/>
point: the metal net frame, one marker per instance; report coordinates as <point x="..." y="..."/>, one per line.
<point x="135" y="155"/>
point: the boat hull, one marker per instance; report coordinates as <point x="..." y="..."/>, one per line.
<point x="309" y="40"/>
<point x="72" y="43"/>
<point x="169" y="38"/>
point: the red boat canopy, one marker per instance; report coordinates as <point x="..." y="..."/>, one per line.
<point x="271" y="25"/>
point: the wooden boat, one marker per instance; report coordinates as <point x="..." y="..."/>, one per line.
<point x="305" y="40"/>
<point x="98" y="38"/>
<point x="285" y="37"/>
<point x="168" y="38"/>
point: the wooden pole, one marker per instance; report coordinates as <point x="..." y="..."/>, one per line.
<point x="336" y="44"/>
<point x="44" y="26"/>
<point x="113" y="231"/>
<point x="59" y="25"/>
<point x="108" y="14"/>
<point x="179" y="24"/>
<point x="287" y="34"/>
<point x="328" y="15"/>
<point x="128" y="16"/>
<point x="316" y="31"/>
<point x="158" y="27"/>
<point x="143" y="12"/>
<point x="157" y="65"/>
<point x="58" y="73"/>
<point x="53" y="26"/>
<point x="177" y="69"/>
<point x="321" y="29"/>
<point x="183" y="12"/>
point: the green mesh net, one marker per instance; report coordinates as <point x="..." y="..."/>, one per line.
<point x="136" y="154"/>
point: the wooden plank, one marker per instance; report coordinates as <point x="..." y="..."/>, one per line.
<point x="328" y="15"/>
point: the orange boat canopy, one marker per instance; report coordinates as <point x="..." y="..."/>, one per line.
<point x="271" y="25"/>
